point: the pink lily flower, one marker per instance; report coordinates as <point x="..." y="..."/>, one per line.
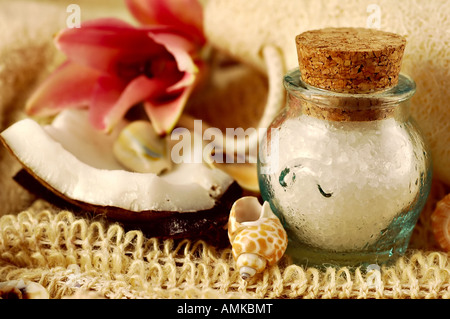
<point x="112" y="66"/>
<point x="185" y="15"/>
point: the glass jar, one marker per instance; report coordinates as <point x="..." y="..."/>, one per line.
<point x="348" y="174"/>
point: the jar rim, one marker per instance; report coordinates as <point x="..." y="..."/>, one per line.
<point x="403" y="91"/>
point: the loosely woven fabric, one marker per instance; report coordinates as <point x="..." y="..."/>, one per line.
<point x="70" y="254"/>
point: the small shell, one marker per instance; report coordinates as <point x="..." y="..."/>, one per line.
<point x="140" y="149"/>
<point x="257" y="237"/>
<point x="440" y="223"/>
<point x="250" y="264"/>
<point x="244" y="173"/>
<point x="19" y="289"/>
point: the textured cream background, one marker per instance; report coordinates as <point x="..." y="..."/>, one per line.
<point x="243" y="28"/>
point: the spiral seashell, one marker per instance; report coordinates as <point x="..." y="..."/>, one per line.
<point x="20" y="289"/>
<point x="257" y="236"/>
<point x="140" y="149"/>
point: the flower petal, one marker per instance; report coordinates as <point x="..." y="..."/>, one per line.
<point x="70" y="85"/>
<point x="179" y="47"/>
<point x="138" y="90"/>
<point x="143" y="11"/>
<point x="103" y="44"/>
<point x="164" y="115"/>
<point x="185" y="15"/>
<point x="187" y="80"/>
<point x="105" y="95"/>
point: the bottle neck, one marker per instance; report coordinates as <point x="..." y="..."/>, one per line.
<point x="332" y="106"/>
<point x="347" y="112"/>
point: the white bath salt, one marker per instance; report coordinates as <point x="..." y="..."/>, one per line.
<point x="351" y="179"/>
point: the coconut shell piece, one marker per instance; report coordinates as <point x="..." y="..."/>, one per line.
<point x="350" y="60"/>
<point x="77" y="173"/>
<point x="209" y="225"/>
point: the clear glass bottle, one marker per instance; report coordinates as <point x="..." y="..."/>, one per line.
<point x="347" y="173"/>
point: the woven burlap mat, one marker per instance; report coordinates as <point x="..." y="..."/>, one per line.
<point x="72" y="255"/>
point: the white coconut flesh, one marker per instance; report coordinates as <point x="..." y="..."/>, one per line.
<point x="75" y="160"/>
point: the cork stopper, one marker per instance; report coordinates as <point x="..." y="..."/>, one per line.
<point x="350" y="60"/>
